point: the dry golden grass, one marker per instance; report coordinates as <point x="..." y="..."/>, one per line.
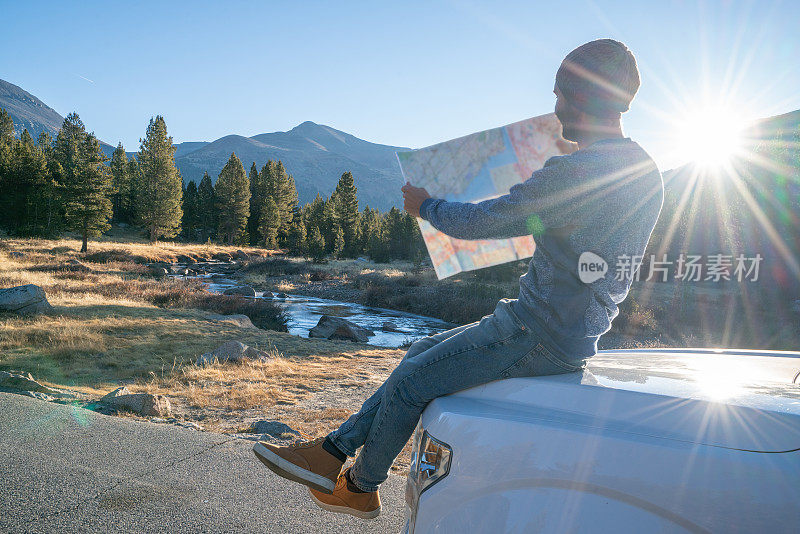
<point x="105" y="330"/>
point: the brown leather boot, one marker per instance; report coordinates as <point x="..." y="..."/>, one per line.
<point x="304" y="462"/>
<point x="366" y="505"/>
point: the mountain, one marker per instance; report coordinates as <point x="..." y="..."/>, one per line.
<point x="27" y="111"/>
<point x="314" y="154"/>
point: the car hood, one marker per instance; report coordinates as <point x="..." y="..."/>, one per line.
<point x="745" y="400"/>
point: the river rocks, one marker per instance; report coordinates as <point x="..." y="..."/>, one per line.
<point x="268" y="294"/>
<point x="337" y="328"/>
<point x="24" y="300"/>
<point x="389" y="326"/>
<point x="281" y="295"/>
<point x="232" y="351"/>
<point x="275" y="429"/>
<point x="244" y="291"/>
<point x="141" y="403"/>
<point x="158" y="269"/>
<point x="23" y="383"/>
<point x="240" y="320"/>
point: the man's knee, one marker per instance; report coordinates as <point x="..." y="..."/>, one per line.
<point x="419" y="346"/>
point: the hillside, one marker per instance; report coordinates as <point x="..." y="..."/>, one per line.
<point x="316" y="155"/>
<point x="27" y="111"/>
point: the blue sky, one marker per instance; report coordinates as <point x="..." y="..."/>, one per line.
<point x="405" y="73"/>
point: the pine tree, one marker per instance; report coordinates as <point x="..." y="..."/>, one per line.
<point x="346" y="203"/>
<point x="233" y="201"/>
<point x="268" y="224"/>
<point x="296" y="240"/>
<point x="315" y="245"/>
<point x="121" y="178"/>
<point x="6" y="127"/>
<point x="338" y="243"/>
<point x="84" y="180"/>
<point x="159" y="191"/>
<point x="285" y="196"/>
<point x="206" y="208"/>
<point x="191" y="212"/>
<point x="330" y="222"/>
<point x="255" y="205"/>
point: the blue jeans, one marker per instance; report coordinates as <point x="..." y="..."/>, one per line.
<point x="499" y="346"/>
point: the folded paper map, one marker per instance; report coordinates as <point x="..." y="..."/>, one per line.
<point x="477" y="167"/>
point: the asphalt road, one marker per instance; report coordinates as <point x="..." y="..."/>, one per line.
<point x="73" y="470"/>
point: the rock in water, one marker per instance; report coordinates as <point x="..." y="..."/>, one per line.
<point x="25" y="300"/>
<point x="245" y="291"/>
<point x="389" y="326"/>
<point x="158" y="270"/>
<point x="232" y="351"/>
<point x="337" y="328"/>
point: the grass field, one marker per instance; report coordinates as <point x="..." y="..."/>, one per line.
<point x="113" y="323"/>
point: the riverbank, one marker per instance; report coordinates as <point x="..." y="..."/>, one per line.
<point x="114" y="323"/>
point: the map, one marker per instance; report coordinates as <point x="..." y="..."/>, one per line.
<point x="477" y="167"/>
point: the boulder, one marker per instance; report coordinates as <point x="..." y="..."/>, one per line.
<point x="232" y="351"/>
<point x="245" y="291"/>
<point x="389" y="326"/>
<point x="116" y="393"/>
<point x="157" y="270"/>
<point x="337" y="328"/>
<point x="25" y="300"/>
<point x="241" y="255"/>
<point x="222" y="256"/>
<point x="23" y="383"/>
<point x="275" y="429"/>
<point x="238" y="319"/>
<point x="281" y="295"/>
<point x="268" y="294"/>
<point x="141" y="403"/>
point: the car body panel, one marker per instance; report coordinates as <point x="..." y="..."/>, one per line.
<point x="641" y="441"/>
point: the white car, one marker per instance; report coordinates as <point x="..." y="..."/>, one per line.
<point x="662" y="440"/>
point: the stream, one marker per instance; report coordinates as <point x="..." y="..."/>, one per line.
<point x="303" y="313"/>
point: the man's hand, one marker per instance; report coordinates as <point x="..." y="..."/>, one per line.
<point x="413" y="197"/>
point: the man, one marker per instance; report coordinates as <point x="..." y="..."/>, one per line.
<point x="603" y="199"/>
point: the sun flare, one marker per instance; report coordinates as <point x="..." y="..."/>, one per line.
<point x="711" y="136"/>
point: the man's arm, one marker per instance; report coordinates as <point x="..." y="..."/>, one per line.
<point x="544" y="200"/>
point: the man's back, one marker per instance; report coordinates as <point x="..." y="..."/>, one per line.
<point x="604" y="199"/>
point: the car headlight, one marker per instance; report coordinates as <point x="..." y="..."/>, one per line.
<point x="430" y="462"/>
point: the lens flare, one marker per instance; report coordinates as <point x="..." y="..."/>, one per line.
<point x="711" y="136"/>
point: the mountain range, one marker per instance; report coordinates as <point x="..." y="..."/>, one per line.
<point x="314" y="154"/>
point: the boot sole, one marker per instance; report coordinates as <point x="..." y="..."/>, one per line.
<point x="345" y="509"/>
<point x="292" y="472"/>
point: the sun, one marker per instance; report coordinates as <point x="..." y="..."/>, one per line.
<point x="710" y="136"/>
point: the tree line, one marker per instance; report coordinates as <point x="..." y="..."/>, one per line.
<point x="49" y="186"/>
